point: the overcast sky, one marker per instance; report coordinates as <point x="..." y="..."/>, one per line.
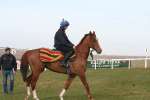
<point x="122" y="26"/>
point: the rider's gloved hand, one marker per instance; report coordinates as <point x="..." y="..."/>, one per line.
<point x="74" y="47"/>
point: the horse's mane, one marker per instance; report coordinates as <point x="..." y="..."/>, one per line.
<point x="83" y="39"/>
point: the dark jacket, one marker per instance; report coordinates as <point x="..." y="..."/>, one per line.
<point x="62" y="42"/>
<point x="8" y="62"/>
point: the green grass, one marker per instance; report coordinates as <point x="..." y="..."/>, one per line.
<point x="106" y="84"/>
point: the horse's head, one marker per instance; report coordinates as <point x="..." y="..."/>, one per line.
<point x="94" y="43"/>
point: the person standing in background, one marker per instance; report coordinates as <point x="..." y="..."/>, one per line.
<point x="8" y="67"/>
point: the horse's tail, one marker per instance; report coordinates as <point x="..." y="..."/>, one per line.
<point x="24" y="66"/>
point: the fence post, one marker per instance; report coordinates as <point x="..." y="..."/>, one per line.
<point x="129" y="64"/>
<point x="146" y="58"/>
<point x="112" y="64"/>
<point x="146" y="63"/>
<point x="95" y="64"/>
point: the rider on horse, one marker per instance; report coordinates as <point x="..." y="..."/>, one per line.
<point x="62" y="43"/>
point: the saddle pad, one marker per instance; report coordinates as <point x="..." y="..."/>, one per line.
<point x="48" y="55"/>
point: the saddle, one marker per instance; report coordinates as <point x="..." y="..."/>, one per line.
<point x="49" y="55"/>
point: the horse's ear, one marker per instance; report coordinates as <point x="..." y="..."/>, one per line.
<point x="90" y="32"/>
<point x="94" y="32"/>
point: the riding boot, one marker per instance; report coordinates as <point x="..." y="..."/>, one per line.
<point x="66" y="58"/>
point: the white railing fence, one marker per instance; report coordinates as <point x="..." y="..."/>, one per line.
<point x="112" y="64"/>
<point x="99" y="63"/>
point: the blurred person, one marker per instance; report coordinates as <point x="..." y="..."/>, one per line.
<point x="8" y="67"/>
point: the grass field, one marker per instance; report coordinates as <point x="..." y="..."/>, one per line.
<point x="106" y="84"/>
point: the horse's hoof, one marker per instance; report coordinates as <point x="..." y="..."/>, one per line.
<point x="26" y="98"/>
<point x="61" y="98"/>
<point x="91" y="99"/>
<point x="36" y="99"/>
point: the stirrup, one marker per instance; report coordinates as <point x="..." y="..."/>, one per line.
<point x="64" y="64"/>
<point x="69" y="72"/>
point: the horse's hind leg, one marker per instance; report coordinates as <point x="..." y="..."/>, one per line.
<point x="33" y="85"/>
<point x="28" y="81"/>
<point x="66" y="86"/>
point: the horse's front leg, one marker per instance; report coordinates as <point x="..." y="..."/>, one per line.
<point x="86" y="85"/>
<point x="66" y="86"/>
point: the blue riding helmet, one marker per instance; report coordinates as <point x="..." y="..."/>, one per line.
<point x="64" y="23"/>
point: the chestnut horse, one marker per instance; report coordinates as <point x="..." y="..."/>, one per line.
<point x="77" y="66"/>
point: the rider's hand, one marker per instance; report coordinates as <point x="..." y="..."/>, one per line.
<point x="14" y="71"/>
<point x="74" y="47"/>
<point x="0" y="71"/>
